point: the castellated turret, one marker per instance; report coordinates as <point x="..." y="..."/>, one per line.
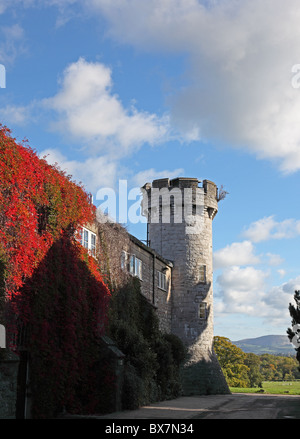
<point x="179" y="215"/>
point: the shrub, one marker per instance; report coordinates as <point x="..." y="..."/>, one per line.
<point x="152" y="358"/>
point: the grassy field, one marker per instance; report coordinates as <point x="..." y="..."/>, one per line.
<point x="272" y="387"/>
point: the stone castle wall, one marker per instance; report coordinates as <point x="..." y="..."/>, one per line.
<point x="186" y="240"/>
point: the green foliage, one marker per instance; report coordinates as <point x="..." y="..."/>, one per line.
<point x="232" y="362"/>
<point x="132" y="388"/>
<point x="249" y="370"/>
<point x="170" y="354"/>
<point x="275" y="367"/>
<point x="254" y="374"/>
<point x="178" y="349"/>
<point x="152" y="358"/>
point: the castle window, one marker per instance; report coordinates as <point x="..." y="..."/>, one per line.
<point x="162" y="281"/>
<point x="123" y="260"/>
<point x="132" y="264"/>
<point x="93" y="244"/>
<point x="85" y="238"/>
<point x="138" y="268"/>
<point x="202" y="311"/>
<point x="135" y="266"/>
<point x="88" y="240"/>
<point x="43" y="218"/>
<point x="202" y="273"/>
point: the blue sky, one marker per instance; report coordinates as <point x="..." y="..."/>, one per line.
<point x="142" y="89"/>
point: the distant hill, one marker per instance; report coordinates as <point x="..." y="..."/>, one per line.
<point x="267" y="344"/>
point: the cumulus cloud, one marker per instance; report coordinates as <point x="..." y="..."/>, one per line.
<point x="148" y="175"/>
<point x="235" y="89"/>
<point x="237" y="253"/>
<point x="13" y="114"/>
<point x="244" y="291"/>
<point x="86" y="109"/>
<point x="97" y="172"/>
<point x="241" y="289"/>
<point x="94" y="172"/>
<point x="89" y="111"/>
<point x="267" y="228"/>
<point x="238" y="84"/>
<point x="277" y="301"/>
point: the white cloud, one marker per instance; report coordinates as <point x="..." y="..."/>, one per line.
<point x="238" y="82"/>
<point x="98" y="172"/>
<point x="148" y="175"/>
<point x="18" y="115"/>
<point x="274" y="260"/>
<point x="3" y="6"/>
<point x="237" y="253"/>
<point x="281" y="272"/>
<point x="267" y="228"/>
<point x="90" y="112"/>
<point x="12" y="42"/>
<point x="241" y="289"/>
<point x="260" y="230"/>
<point x="94" y="172"/>
<point x="244" y="291"/>
<point x="234" y="87"/>
<point x="277" y="301"/>
<point x="86" y="109"/>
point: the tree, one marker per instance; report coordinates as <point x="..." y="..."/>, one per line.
<point x="293" y="333"/>
<point x="255" y="377"/>
<point x="232" y="361"/>
<point x="267" y="366"/>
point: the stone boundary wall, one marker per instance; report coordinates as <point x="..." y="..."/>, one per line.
<point x="9" y="364"/>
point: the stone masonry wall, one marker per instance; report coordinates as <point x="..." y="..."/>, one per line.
<point x="152" y="263"/>
<point x="186" y="240"/>
<point x="112" y="239"/>
<point x="9" y="363"/>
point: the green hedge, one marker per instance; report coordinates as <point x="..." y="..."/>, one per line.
<point x="152" y="357"/>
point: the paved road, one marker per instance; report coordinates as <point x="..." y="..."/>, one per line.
<point x="235" y="406"/>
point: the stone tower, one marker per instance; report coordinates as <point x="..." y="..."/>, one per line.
<point x="179" y="216"/>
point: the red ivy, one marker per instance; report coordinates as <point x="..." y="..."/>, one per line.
<point x="51" y="284"/>
<point x="64" y="307"/>
<point x="37" y="203"/>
